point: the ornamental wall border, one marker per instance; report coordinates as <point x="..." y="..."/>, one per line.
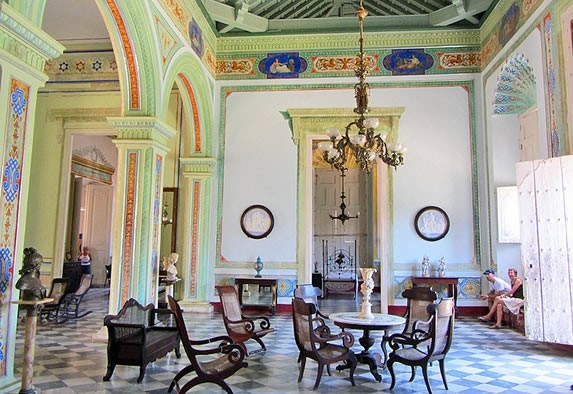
<point x="348" y="41"/>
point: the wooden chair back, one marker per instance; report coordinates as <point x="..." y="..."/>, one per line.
<point x="230" y="302"/>
<point x="58" y="291"/>
<point x="419" y="297"/>
<point x="321" y="348"/>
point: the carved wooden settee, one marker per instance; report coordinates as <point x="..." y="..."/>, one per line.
<point x="138" y="335"/>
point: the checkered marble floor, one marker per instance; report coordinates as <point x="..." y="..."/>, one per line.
<point x="69" y="360"/>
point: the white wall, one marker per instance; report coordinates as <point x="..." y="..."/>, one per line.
<point x="260" y="166"/>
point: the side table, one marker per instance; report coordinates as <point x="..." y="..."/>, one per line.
<point x="268" y="282"/>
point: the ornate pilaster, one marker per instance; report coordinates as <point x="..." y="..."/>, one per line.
<point x="197" y="192"/>
<point x="24" y="49"/>
<point x="142" y="145"/>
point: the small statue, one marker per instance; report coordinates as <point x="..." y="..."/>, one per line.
<point x="29" y="283"/>
<point x="426" y="266"/>
<point x="442" y="268"/>
<point x="169" y="266"/>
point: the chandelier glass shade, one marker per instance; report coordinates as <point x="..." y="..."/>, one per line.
<point x="359" y="136"/>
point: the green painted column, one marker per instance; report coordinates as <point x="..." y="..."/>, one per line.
<point x="195" y="236"/>
<point x="24" y="50"/>
<point x="142" y="144"/>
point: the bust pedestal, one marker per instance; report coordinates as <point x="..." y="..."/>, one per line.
<point x="32" y="308"/>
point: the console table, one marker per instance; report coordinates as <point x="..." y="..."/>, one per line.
<point x="263" y="282"/>
<point x="451" y="282"/>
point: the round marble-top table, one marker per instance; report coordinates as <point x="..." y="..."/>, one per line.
<point x="382" y="322"/>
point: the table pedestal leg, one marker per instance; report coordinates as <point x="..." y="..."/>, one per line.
<point x="373" y="360"/>
<point x="29" y="346"/>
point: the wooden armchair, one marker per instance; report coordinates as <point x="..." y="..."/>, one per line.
<point x="317" y="344"/>
<point x="429" y="341"/>
<point x="229" y="358"/>
<point x="241" y="328"/>
<point x="58" y="291"/>
<point x="136" y="338"/>
<point x="419" y="297"/>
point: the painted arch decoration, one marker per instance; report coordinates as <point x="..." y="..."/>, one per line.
<point x="515" y="91"/>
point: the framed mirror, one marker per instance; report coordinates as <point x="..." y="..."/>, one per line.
<point x="169" y="221"/>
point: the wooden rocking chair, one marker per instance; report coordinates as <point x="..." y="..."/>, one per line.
<point x="229" y="358"/>
<point x="58" y="291"/>
<point x="240" y="327"/>
<point x="72" y="301"/>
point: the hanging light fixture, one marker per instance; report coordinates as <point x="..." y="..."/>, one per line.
<point x="365" y="144"/>
<point x="343" y="216"/>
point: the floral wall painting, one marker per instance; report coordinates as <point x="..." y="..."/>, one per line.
<point x="283" y="65"/>
<point x="509" y="24"/>
<point x="408" y="62"/>
<point x="196" y="36"/>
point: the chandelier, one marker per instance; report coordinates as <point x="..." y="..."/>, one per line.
<point x="343" y="216"/>
<point x="365" y="143"/>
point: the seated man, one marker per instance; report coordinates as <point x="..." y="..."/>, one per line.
<point x="512" y="300"/>
<point x="497" y="287"/>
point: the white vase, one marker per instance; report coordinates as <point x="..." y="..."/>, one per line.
<point x="366" y="288"/>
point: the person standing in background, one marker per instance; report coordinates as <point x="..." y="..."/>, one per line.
<point x="85" y="259"/>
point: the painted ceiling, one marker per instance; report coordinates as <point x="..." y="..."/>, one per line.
<point x="242" y="17"/>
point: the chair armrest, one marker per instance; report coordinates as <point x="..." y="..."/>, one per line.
<point x="230" y="349"/>
<point x="223" y="338"/>
<point x="322" y="330"/>
<point x="265" y="322"/>
<point x="249" y="324"/>
<point x="346" y="337"/>
<point x="320" y="314"/>
<point x="235" y="353"/>
<point x="398" y="340"/>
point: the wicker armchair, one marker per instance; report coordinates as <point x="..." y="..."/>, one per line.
<point x="419" y="297"/>
<point x="429" y="341"/>
<point x="317" y="344"/>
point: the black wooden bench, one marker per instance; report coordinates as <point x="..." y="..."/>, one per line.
<point x="138" y="335"/>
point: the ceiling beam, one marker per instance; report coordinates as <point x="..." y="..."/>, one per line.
<point x="239" y="17"/>
<point x="459" y="10"/>
<point x="348" y="23"/>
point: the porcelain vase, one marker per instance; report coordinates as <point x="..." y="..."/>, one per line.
<point x="367" y="287"/>
<point x="258" y="267"/>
